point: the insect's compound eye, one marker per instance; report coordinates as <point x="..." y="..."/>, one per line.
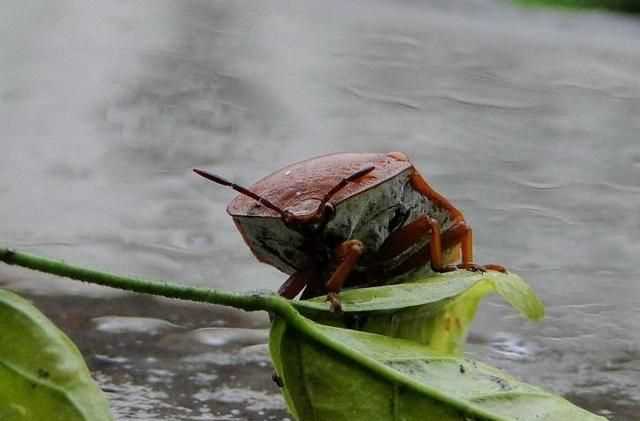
<point x="329" y="211"/>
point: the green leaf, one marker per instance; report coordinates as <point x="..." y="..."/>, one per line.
<point x="329" y="373"/>
<point x="42" y="374"/>
<point x="433" y="309"/>
<point x="336" y="374"/>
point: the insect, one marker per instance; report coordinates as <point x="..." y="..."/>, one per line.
<point x="349" y="219"/>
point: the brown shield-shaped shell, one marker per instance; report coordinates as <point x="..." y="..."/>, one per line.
<point x="367" y="209"/>
<point x="301" y="186"/>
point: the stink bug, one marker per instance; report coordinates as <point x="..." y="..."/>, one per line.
<point x="348" y="219"/>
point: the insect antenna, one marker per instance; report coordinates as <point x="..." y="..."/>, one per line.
<point x="239" y="189"/>
<point x="343" y="183"/>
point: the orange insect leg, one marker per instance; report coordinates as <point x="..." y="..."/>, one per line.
<point x="348" y="254"/>
<point x="403" y="238"/>
<point x="421" y="185"/>
<point x="464" y="236"/>
<point x="460" y="231"/>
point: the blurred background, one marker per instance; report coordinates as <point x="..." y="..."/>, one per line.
<point x="526" y="118"/>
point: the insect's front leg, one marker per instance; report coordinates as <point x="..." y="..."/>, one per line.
<point x="347" y="253"/>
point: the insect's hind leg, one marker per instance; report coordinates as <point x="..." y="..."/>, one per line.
<point x="420" y="184"/>
<point x="460" y="232"/>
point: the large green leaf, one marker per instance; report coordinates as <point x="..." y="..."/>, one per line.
<point x="42" y="374"/>
<point x="337" y="374"/>
<point x="433" y="309"/>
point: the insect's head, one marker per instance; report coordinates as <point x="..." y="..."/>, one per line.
<point x="305" y="217"/>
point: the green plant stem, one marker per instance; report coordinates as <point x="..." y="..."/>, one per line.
<point x="248" y="302"/>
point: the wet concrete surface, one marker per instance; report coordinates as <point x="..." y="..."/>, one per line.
<point x="526" y="119"/>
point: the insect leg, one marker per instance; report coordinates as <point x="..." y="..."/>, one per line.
<point x="403" y="238"/>
<point x="460" y="231"/>
<point x="421" y="185"/>
<point x="348" y="253"/>
<point x="293" y="285"/>
<point x="407" y="236"/>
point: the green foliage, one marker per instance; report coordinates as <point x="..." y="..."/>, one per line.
<point x="630" y="6"/>
<point x="432" y="309"/>
<point x="42" y="374"/>
<point x="412" y="371"/>
<point x="374" y="377"/>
